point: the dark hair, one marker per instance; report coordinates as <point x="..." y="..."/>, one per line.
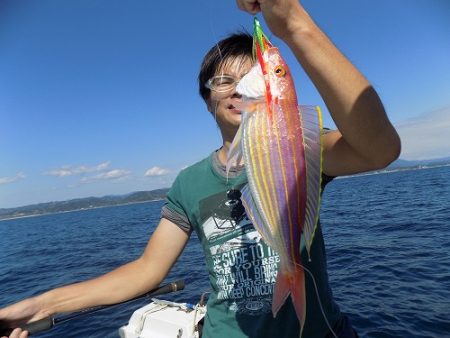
<point x="235" y="45"/>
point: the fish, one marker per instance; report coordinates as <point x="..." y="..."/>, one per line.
<point x="280" y="144"/>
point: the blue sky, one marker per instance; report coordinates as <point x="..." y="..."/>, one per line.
<point x="100" y="97"/>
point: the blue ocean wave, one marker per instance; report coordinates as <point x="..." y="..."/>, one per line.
<point x="387" y="239"/>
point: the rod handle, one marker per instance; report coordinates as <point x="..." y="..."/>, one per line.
<point x="168" y="288"/>
<point x="40" y="325"/>
<point x="37" y="326"/>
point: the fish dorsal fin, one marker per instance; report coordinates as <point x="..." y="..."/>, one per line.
<point x="311" y="117"/>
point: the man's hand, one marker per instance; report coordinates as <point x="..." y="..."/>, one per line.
<point x="17" y="333"/>
<point x="284" y="17"/>
<point x="28" y="310"/>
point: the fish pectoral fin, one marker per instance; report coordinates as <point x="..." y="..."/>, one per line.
<point x="234" y="155"/>
<point x="256" y="217"/>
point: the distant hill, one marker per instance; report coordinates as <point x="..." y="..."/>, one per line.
<point x="82" y="203"/>
<point x="419" y="163"/>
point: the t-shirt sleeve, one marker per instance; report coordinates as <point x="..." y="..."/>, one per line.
<point x="173" y="209"/>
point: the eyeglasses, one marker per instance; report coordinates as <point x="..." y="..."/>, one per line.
<point x="222" y="83"/>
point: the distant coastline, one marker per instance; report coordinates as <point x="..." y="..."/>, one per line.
<point x="78" y="210"/>
<point x="81" y="204"/>
<point x="397" y="169"/>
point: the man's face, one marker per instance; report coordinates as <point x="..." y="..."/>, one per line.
<point x="222" y="103"/>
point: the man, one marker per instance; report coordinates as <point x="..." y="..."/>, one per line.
<point x="242" y="268"/>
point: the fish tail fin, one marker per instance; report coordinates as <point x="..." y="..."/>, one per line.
<point x="281" y="291"/>
<point x="291" y="284"/>
<point x="298" y="295"/>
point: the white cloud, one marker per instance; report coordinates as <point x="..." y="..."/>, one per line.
<point x="427" y="136"/>
<point x="77" y="170"/>
<point x="102" y="166"/>
<point x="156" y="171"/>
<point x="90" y="174"/>
<point x="112" y="174"/>
<point x="116" y="174"/>
<point x="11" y="179"/>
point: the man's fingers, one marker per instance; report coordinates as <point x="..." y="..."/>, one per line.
<point x="250" y="6"/>
<point x="16" y="333"/>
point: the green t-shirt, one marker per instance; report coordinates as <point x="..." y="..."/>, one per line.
<point x="242" y="268"/>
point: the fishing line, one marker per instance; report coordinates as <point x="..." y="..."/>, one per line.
<point x="318" y="298"/>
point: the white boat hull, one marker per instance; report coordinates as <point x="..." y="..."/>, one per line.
<point x="161" y="319"/>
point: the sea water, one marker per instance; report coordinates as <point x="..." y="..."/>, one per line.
<point x="387" y="238"/>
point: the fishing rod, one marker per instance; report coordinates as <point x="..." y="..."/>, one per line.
<point x="47" y="323"/>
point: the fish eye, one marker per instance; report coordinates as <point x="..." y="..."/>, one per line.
<point x="280" y="71"/>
